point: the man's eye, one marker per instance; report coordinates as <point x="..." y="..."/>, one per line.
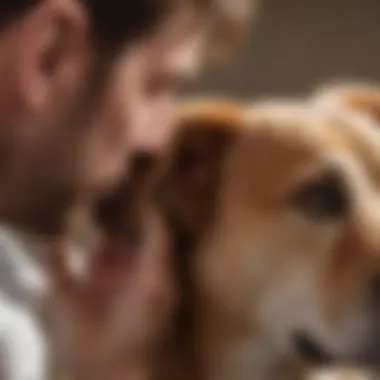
<point x="162" y="85"/>
<point x="158" y="86"/>
<point x="155" y="87"/>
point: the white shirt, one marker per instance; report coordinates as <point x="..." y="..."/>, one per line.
<point x="23" y="350"/>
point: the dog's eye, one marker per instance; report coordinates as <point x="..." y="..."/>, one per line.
<point x="325" y="197"/>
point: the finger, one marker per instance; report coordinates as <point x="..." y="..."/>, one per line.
<point x="106" y="272"/>
<point x="155" y="252"/>
<point x="148" y="292"/>
<point x="62" y="278"/>
<point x="107" y="258"/>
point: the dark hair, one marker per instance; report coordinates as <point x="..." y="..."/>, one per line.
<point x="113" y="21"/>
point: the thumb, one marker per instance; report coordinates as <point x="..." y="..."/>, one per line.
<point x="62" y="279"/>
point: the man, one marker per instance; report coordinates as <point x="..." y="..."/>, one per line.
<point x="81" y="81"/>
<point x="84" y="83"/>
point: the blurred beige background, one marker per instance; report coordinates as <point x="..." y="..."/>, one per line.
<point x="295" y="45"/>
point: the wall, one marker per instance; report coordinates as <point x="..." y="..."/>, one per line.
<point x="296" y="44"/>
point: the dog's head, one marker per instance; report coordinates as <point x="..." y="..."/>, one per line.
<point x="281" y="205"/>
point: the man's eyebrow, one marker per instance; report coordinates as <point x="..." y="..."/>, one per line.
<point x="182" y="73"/>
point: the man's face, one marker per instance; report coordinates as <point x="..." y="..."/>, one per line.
<point x="139" y="101"/>
<point x="68" y="123"/>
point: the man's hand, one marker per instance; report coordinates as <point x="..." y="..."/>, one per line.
<point x="110" y="322"/>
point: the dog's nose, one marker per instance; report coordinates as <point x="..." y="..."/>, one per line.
<point x="375" y="288"/>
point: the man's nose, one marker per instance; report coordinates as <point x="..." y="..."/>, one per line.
<point x="153" y="136"/>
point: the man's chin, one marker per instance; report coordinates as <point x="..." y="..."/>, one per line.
<point x="40" y="225"/>
<point x="46" y="219"/>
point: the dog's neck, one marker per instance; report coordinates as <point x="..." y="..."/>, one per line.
<point x="215" y="348"/>
<point x="211" y="344"/>
<point x="229" y="350"/>
<point x="213" y="341"/>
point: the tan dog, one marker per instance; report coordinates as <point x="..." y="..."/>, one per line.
<point x="277" y="214"/>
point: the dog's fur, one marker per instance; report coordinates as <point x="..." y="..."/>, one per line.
<point x="360" y="97"/>
<point x="276" y="212"/>
<point x="275" y="216"/>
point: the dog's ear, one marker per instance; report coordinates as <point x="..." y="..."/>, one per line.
<point x="360" y="97"/>
<point x="190" y="177"/>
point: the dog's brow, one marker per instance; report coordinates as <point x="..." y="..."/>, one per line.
<point x="363" y="140"/>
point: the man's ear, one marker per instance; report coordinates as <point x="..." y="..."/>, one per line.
<point x="191" y="174"/>
<point x="358" y="97"/>
<point x="45" y="51"/>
